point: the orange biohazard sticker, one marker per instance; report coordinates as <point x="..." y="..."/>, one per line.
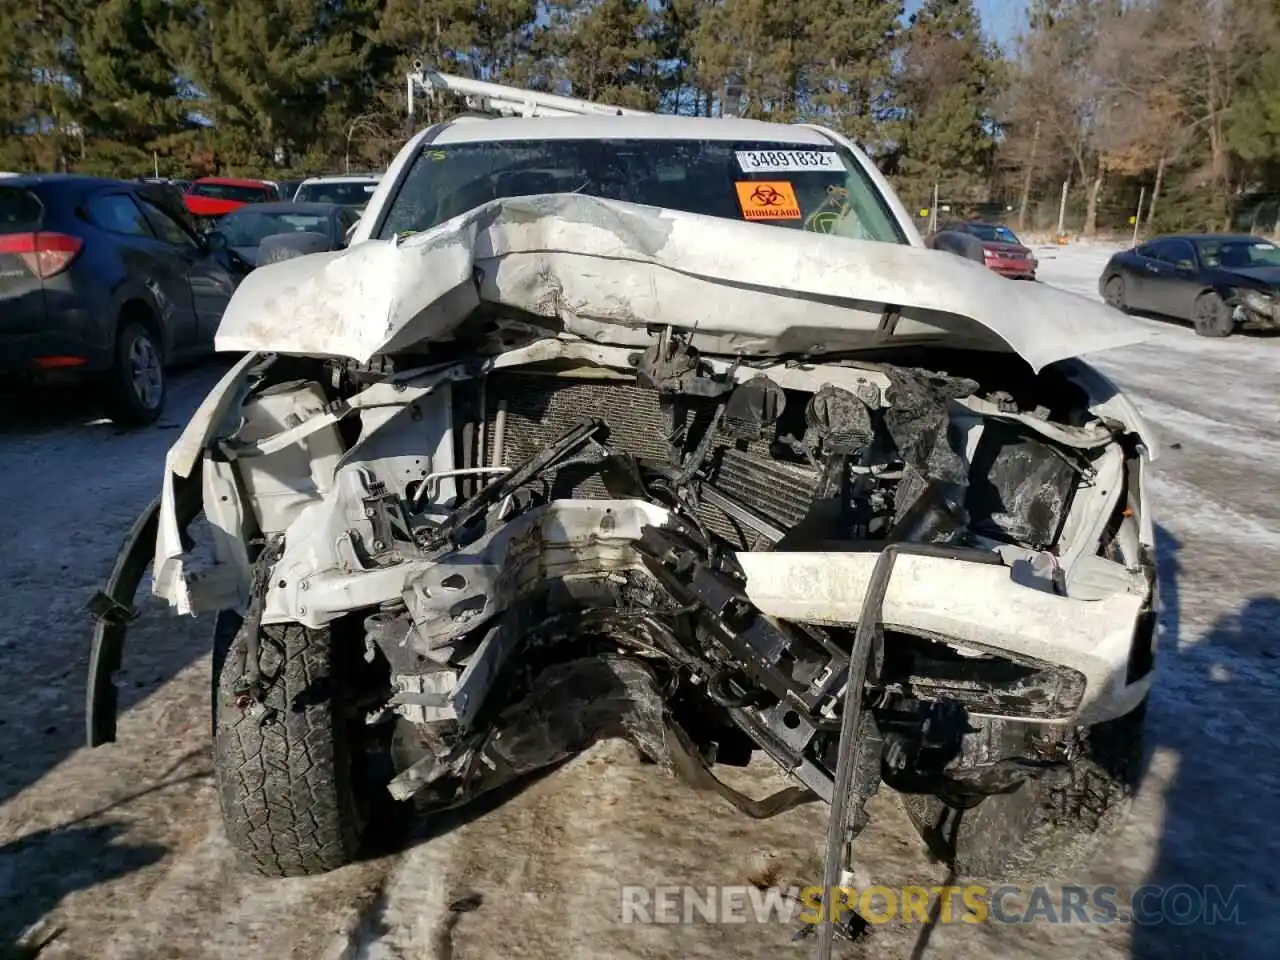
<point x="767" y="200"/>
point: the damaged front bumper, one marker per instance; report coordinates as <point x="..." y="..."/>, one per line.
<point x="1256" y="310"/>
<point x="975" y="605"/>
<point x="458" y="598"/>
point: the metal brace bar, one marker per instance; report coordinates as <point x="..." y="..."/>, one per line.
<point x="870" y="625"/>
<point x="497" y="98"/>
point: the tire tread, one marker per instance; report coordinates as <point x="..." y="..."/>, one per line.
<point x="1046" y="828"/>
<point x="285" y="786"/>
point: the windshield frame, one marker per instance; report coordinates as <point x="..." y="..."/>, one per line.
<point x="854" y="170"/>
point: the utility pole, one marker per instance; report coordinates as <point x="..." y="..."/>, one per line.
<point x="1026" y="179"/>
<point x="933" y="211"/>
<point x="1137" y="217"/>
<point x="1062" y="208"/>
<point x="1155" y="192"/>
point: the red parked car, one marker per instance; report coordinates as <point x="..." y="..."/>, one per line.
<point x="214" y="196"/>
<point x="1001" y="249"/>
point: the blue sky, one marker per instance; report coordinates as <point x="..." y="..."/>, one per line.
<point x="1000" y="18"/>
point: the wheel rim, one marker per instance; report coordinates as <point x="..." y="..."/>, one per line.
<point x="1115" y="292"/>
<point x="143" y="364"/>
<point x="1206" y="313"/>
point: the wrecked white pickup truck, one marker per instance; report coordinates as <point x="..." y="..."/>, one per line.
<point x="577" y="440"/>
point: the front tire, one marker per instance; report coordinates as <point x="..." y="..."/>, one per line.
<point x="1113" y="294"/>
<point x="1211" y="316"/>
<point x="291" y="801"/>
<point x="1045" y="829"/>
<point x="134" y="388"/>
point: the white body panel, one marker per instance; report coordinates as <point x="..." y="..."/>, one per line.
<point x="605" y="271"/>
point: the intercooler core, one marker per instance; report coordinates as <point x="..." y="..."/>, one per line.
<point x="507" y="418"/>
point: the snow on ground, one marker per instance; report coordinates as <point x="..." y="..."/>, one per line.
<point x="118" y="852"/>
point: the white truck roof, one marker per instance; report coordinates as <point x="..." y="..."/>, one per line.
<point x="632" y="127"/>
<point x="513" y="113"/>
<point x="519" y="114"/>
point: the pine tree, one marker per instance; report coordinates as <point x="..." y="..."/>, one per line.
<point x="675" y="42"/>
<point x="754" y="56"/>
<point x="40" y="85"/>
<point x="130" y="99"/>
<point x="945" y="94"/>
<point x="852" y="44"/>
<point x="15" y="87"/>
<point x="494" y="40"/>
<point x="269" y="73"/>
<point x="605" y="50"/>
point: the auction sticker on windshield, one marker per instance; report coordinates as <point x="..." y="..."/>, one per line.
<point x="767" y="200"/>
<point x="783" y="161"/>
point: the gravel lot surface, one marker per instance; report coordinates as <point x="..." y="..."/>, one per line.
<point x="118" y="852"/>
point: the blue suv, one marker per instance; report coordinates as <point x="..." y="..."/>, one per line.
<point x="106" y="282"/>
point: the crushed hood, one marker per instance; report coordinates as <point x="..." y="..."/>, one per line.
<point x="605" y="270"/>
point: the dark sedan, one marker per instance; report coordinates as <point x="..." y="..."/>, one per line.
<point x="1219" y="282"/>
<point x="1002" y="251"/>
<point x="106" y="281"/>
<point x="262" y="232"/>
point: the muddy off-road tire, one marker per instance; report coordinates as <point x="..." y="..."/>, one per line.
<point x="1044" y="830"/>
<point x="291" y="801"/>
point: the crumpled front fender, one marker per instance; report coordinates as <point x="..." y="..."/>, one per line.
<point x="168" y="581"/>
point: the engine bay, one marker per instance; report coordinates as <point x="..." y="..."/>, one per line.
<point x="570" y="534"/>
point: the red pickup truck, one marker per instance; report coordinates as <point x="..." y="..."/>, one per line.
<point x="215" y="196"/>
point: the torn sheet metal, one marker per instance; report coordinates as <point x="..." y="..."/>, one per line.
<point x="605" y="270"/>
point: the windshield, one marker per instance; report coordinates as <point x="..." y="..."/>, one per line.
<point x="229" y="191"/>
<point x="1237" y="254"/>
<point x="346" y="194"/>
<point x="992" y="234"/>
<point x="822" y="190"/>
<point x="248" y="228"/>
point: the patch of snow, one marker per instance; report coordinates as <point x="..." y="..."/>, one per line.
<point x="100" y="840"/>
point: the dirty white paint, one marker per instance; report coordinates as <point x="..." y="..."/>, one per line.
<point x="98" y="845"/>
<point x="605" y="269"/>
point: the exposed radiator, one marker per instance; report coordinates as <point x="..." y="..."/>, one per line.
<point x="540" y="408"/>
<point x="777" y="492"/>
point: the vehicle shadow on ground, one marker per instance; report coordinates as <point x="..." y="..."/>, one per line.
<point x="36" y="409"/>
<point x="1188" y="325"/>
<point x="402" y="828"/>
<point x="88" y="855"/>
<point x="48" y="724"/>
<point x="1216" y="707"/>
<point x="40" y="409"/>
<point x="76" y="491"/>
<point x="41" y="869"/>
